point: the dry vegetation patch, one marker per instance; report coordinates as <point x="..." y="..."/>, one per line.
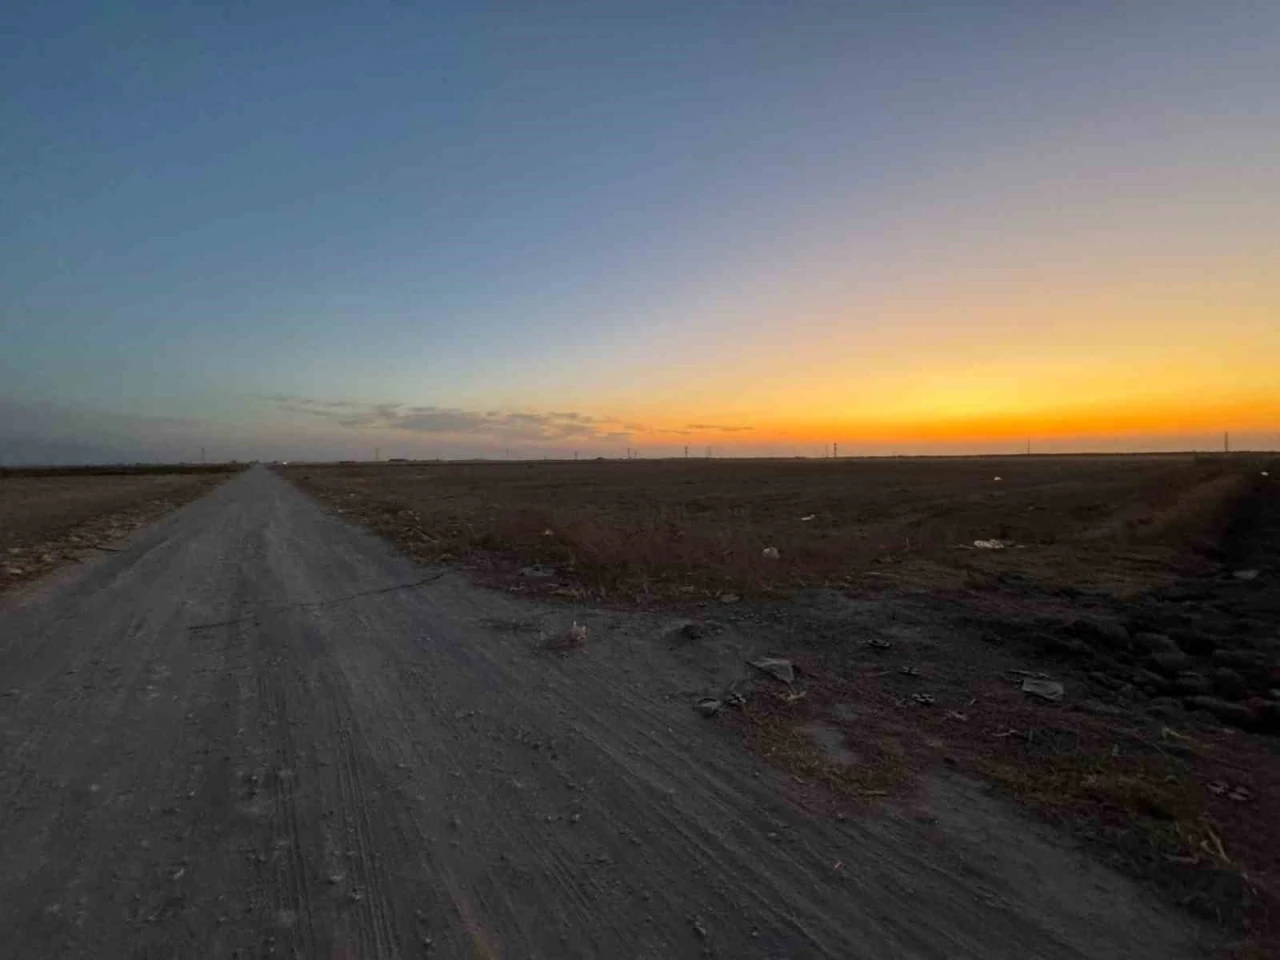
<point x="636" y="529"/>
<point x="52" y="516"/>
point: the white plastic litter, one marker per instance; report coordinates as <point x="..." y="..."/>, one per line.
<point x="770" y="553"/>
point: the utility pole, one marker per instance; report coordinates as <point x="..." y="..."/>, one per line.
<point x="575" y="454"/>
<point x="835" y="451"/>
<point x="686" y="451"/>
<point x="708" y="451"/>
<point x="377" y="454"/>
<point x="1028" y="446"/>
<point x="1226" y="442"/>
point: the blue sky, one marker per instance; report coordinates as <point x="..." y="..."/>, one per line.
<point x="645" y="215"/>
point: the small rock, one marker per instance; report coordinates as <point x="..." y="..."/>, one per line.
<point x="1049" y="690"/>
<point x="924" y="699"/>
<point x="770" y="553"/>
<point x="709" y="706"/>
<point x="729" y="598"/>
<point x="1190" y="683"/>
<point x="1245" y="574"/>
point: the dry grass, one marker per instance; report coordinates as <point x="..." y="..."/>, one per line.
<point x="669" y="527"/>
<point x="52" y="518"/>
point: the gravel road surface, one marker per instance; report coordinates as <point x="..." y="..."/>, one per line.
<point x="258" y="731"/>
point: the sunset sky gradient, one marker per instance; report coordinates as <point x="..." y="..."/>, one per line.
<point x="460" y="229"/>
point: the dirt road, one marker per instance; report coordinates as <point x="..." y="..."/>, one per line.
<point x="257" y="731"/>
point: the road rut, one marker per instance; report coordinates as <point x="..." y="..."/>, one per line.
<point x="259" y="731"/>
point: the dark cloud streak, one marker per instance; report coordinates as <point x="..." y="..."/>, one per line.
<point x="512" y="426"/>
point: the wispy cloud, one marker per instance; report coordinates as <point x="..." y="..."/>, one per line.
<point x="512" y="426"/>
<point x="717" y="428"/>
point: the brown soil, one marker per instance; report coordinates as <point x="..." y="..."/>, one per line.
<point x="675" y="528"/>
<point x="257" y="731"/>
<point x="1130" y="580"/>
<point x="53" y="517"/>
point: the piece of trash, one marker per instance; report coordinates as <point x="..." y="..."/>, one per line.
<point x="775" y="667"/>
<point x="957" y="715"/>
<point x="729" y="598"/>
<point x="770" y="553"/>
<point x="924" y="699"/>
<point x="1265" y="474"/>
<point x="1239" y="794"/>
<point x="1246" y="574"/>
<point x="812" y="515"/>
<point x="709" y="706"/>
<point x="791" y="696"/>
<point x="993" y="544"/>
<point x="1049" y="690"/>
<point x="879" y="643"/>
<point x="997" y="479"/>
<point x="699" y="927"/>
<point x="548" y="532"/>
<point x="910" y="671"/>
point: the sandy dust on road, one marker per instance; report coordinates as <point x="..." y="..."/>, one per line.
<point x="258" y="731"/>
